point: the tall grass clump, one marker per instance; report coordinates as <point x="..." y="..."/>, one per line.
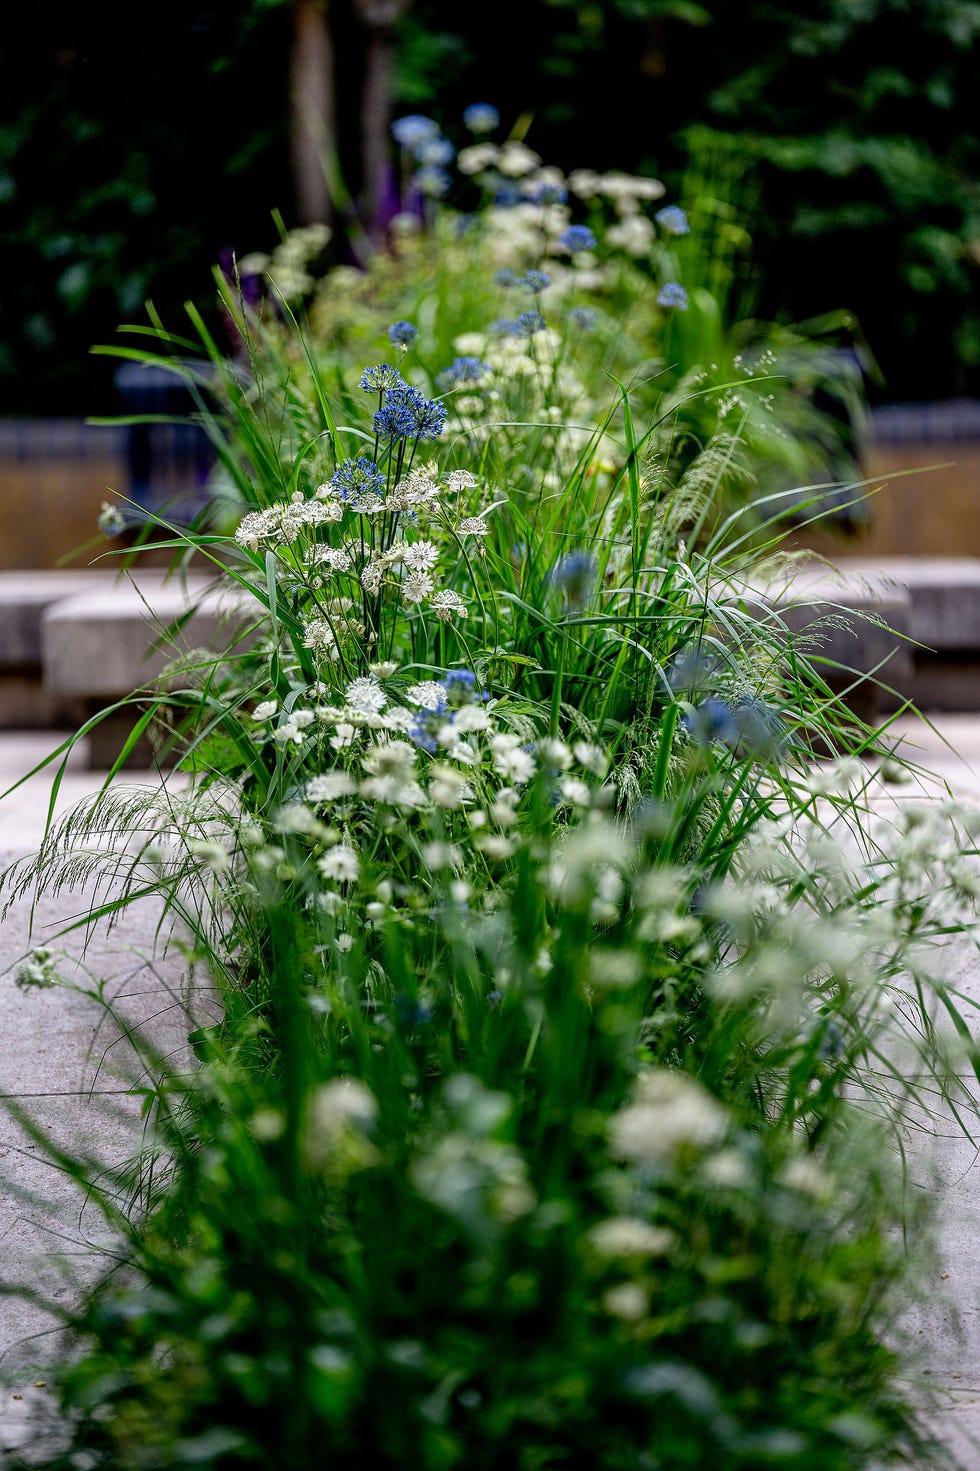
<point x="573" y="1015"/>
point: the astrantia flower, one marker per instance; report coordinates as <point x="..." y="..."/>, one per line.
<point x="528" y="323"/>
<point x="381" y="378"/>
<point x="428" y="693"/>
<point x="365" y="696"/>
<point x="462" y="370"/>
<point x="672" y="220"/>
<point x="110" y="520"/>
<point x="432" y="181"/>
<point x="402" y="334"/>
<point x="671" y="294"/>
<point x="534" y="281"/>
<point x="420" y="556"/>
<point x="416" y="586"/>
<point x="577" y="238"/>
<point x="340" y="863"/>
<point x="584" y="318"/>
<point x="447" y="604"/>
<point x="266" y="710"/>
<point x="357" y="479"/>
<point x="329" y="786"/>
<point x="413" y="130"/>
<point x="481" y="117"/>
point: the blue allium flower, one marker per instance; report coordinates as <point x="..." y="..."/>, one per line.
<point x="548" y="194"/>
<point x="574" y="575"/>
<point x="672" y="295"/>
<point x="672" y="220"/>
<point x="435" y="152"/>
<point x="462" y="370"/>
<point x="507" y="196"/>
<point x="505" y="327"/>
<point x="408" y="414"/>
<point x="427" y="727"/>
<point x="584" y="318"/>
<point x="355" y="479"/>
<point x="760" y="731"/>
<point x="534" y="281"/>
<point x="402" y="334"/>
<point x="481" y="117"/>
<point x="413" y="130"/>
<point x="381" y="379"/>
<point x="460" y="687"/>
<point x="577" y="238"/>
<point x="710" y="721"/>
<point x="506" y="277"/>
<point x="432" y="181"/>
<point x="528" y="323"/>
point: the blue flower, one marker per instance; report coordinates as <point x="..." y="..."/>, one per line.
<point x="355" y="479"/>
<point x="534" y="281"/>
<point x="408" y="414"/>
<point x="760" y="731"/>
<point x="577" y="238"/>
<point x="435" y="152"/>
<point x="575" y="575"/>
<point x="427" y="727"/>
<point x="548" y="194"/>
<point x="505" y="327"/>
<point x="462" y="370"/>
<point x="710" y="721"/>
<point x="672" y="220"/>
<point x="506" y="277"/>
<point x="402" y="334"/>
<point x="528" y="323"/>
<point x="413" y="130"/>
<point x="672" y="295"/>
<point x="381" y="379"/>
<point x="584" y="318"/>
<point x="481" y="117"/>
<point x="507" y="196"/>
<point x="460" y="687"/>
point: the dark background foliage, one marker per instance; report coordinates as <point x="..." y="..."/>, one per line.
<point x="136" y="148"/>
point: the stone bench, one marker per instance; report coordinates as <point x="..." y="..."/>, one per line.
<point x="25" y="703"/>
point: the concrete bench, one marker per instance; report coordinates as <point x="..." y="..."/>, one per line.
<point x="25" y="704"/>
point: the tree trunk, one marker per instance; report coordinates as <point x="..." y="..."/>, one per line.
<point x="312" y="102"/>
<point x="378" y="18"/>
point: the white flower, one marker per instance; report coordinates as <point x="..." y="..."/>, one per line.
<point x="593" y="758"/>
<point x="448" y="788"/>
<point x="555" y="753"/>
<point x="340" y="863"/>
<point x="473" y="526"/>
<point x="336" y="558"/>
<point x="428" y="693"/>
<point x="509" y="760"/>
<point x="344" y="735"/>
<point x="329" y="786"/>
<point x="477" y="158"/>
<point x="516" y="159"/>
<point x="469" y="718"/>
<point x="448" y="604"/>
<point x="420" y="556"/>
<point x="416" y="586"/>
<point x="264" y="711"/>
<point x="366" y="696"/>
<point x="384" y="670"/>
<point x="625" y="1236"/>
<point x="391" y="758"/>
<point x="372" y="577"/>
<point x="575" y="792"/>
<point x="671" y="1113"/>
<point x="212" y="854"/>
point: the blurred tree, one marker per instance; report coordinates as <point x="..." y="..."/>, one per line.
<point x="130" y="160"/>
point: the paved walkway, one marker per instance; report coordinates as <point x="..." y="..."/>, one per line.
<point x="62" y="1055"/>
